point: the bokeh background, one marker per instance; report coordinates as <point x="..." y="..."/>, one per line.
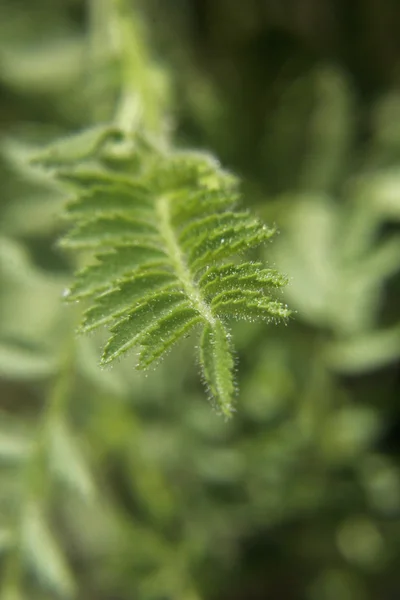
<point x="117" y="486"/>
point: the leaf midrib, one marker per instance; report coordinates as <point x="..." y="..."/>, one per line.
<point x="178" y="259"/>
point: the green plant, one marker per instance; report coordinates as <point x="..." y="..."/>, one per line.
<point x="114" y="484"/>
<point x="161" y="228"/>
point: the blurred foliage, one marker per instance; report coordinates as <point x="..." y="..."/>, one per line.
<point x="116" y="486"/>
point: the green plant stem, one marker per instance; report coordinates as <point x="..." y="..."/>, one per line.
<point x="137" y="104"/>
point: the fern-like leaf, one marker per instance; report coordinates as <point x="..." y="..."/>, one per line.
<point x="163" y="241"/>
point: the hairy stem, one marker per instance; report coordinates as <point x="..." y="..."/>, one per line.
<point x="138" y="102"/>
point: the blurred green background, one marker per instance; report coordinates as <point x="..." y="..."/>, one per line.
<point x="117" y="486"/>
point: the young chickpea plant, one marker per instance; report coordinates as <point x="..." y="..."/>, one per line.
<point x="166" y="235"/>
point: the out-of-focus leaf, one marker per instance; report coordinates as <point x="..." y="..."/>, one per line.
<point x="17" y="362"/>
<point x="337" y="270"/>
<point x="348" y="432"/>
<point x="15" y="443"/>
<point x="381" y="479"/>
<point x="330" y="130"/>
<point x="6" y="539"/>
<point x="366" y="352"/>
<point x="307" y="255"/>
<point x="77" y="147"/>
<point x="383" y="191"/>
<point x="360" y="542"/>
<point x="67" y="462"/>
<point x="31" y="311"/>
<point x="43" y="554"/>
<point x="55" y="64"/>
<point x="337" y="583"/>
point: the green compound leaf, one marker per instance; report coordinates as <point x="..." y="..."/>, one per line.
<point x="160" y="239"/>
<point x="247" y="276"/>
<point x="108" y="231"/>
<point x="121" y="299"/>
<point x="112" y="200"/>
<point x="166" y="332"/>
<point x="131" y="330"/>
<point x="112" y="267"/>
<point x="223" y="242"/>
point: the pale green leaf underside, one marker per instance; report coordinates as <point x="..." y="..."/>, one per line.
<point x="160" y="241"/>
